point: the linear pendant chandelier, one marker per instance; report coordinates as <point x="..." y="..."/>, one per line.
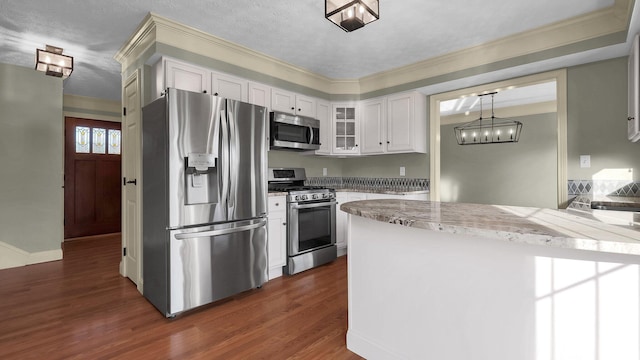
<point x="489" y="130"/>
<point x="351" y="15"/>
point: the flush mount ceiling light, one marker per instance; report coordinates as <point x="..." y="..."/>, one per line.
<point x="351" y="15"/>
<point x="489" y="130"/>
<point x="53" y="63"/>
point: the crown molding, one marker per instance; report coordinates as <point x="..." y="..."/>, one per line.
<point x="611" y="20"/>
<point x="596" y="27"/>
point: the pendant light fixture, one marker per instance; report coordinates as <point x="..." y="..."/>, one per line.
<point x="52" y="62"/>
<point x="351" y="15"/>
<point x="489" y="130"/>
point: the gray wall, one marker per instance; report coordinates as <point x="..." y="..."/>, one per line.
<point x="597" y="125"/>
<point x="519" y="174"/>
<point x="31" y="148"/>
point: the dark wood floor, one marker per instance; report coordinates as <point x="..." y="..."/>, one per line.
<point x="81" y="308"/>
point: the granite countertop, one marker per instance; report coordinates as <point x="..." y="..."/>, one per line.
<point x="381" y="190"/>
<point x="573" y="229"/>
<point x="611" y="201"/>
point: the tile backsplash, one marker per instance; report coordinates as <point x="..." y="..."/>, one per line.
<point x="397" y="184"/>
<point x="603" y="187"/>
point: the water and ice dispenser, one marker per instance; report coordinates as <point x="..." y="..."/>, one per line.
<point x="201" y="179"/>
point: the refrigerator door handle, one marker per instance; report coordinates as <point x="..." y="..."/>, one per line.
<point x="261" y="223"/>
<point x="224" y="196"/>
<point x="234" y="164"/>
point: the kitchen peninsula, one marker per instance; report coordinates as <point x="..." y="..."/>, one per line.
<point x="431" y="280"/>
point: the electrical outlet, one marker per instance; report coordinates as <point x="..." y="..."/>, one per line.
<point x="324" y="171"/>
<point x="402" y="171"/>
<point x="585" y="161"/>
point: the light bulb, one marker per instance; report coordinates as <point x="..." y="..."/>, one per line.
<point x="361" y="9"/>
<point x="350" y="13"/>
<point x="464" y="135"/>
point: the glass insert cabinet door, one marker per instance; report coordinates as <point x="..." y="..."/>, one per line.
<point x="345" y="129"/>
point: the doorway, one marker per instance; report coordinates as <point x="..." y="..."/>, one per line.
<point x="92" y="191"/>
<point x="558" y="76"/>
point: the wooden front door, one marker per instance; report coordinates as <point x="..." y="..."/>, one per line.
<point x="92" y="190"/>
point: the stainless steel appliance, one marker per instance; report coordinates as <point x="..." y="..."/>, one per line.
<point x="311" y="220"/>
<point x="204" y="199"/>
<point x="293" y="132"/>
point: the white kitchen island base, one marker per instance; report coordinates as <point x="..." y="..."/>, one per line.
<point x="424" y="294"/>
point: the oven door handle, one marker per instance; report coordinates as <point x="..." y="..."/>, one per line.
<point x="314" y="205"/>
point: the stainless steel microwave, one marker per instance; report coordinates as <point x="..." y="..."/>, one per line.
<point x="293" y="132"/>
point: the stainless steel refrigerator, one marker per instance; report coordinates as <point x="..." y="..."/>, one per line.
<point x="204" y="199"/>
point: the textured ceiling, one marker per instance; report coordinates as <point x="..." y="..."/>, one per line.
<point x="293" y="31"/>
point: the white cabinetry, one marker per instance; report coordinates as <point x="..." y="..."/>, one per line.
<point x="345" y="129"/>
<point x="179" y="75"/>
<point x="341" y="223"/>
<point x="323" y="113"/>
<point x="229" y="87"/>
<point x="277" y="238"/>
<point x="373" y="126"/>
<point x="184" y="76"/>
<point x="292" y="103"/>
<point x="406" y="123"/>
<point x="260" y="94"/>
<point x="633" y="118"/>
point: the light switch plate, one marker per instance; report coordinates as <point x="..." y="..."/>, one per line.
<point x="402" y="171"/>
<point x="585" y="161"/>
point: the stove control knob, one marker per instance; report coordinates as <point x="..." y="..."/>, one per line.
<point x="304" y="197"/>
<point x="315" y="196"/>
<point x="324" y="196"/>
<point x="297" y="197"/>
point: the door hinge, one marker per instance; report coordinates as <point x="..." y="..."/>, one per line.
<point x="124" y="251"/>
<point x="124" y="111"/>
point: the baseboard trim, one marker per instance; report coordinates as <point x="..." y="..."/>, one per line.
<point x="11" y="256"/>
<point x="367" y="349"/>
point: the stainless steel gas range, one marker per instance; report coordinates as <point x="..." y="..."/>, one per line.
<point x="311" y="220"/>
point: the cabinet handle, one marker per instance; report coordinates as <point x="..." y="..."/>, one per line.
<point x="292" y="108"/>
<point x="380" y="142"/>
<point x="630" y="118"/>
<point x="299" y="109"/>
<point x="356" y="145"/>
<point x="285" y="224"/>
<point x="277" y="204"/>
<point x="216" y="94"/>
<point x="204" y="92"/>
<point x="388" y="142"/>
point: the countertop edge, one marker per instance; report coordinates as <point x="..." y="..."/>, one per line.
<point x="629" y="247"/>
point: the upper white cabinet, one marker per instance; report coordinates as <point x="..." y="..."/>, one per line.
<point x="323" y="113"/>
<point x="179" y="75"/>
<point x="406" y="123"/>
<point x="394" y="124"/>
<point x="260" y="94"/>
<point x="229" y="87"/>
<point x="373" y="126"/>
<point x="345" y="129"/>
<point x="184" y="76"/>
<point x="292" y="103"/>
<point x="633" y="118"/>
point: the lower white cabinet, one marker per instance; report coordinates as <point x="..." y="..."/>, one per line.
<point x="277" y="235"/>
